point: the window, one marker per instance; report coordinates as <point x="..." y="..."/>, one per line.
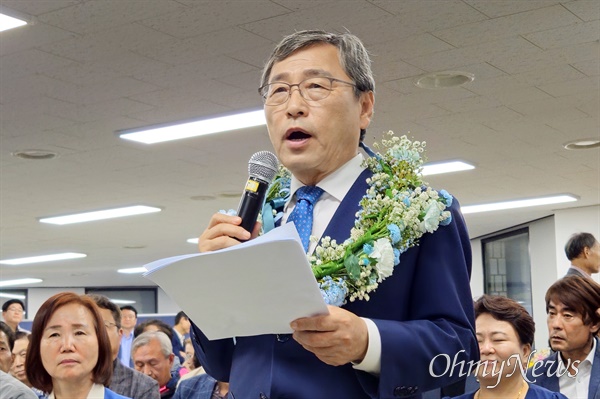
<point x="507" y="267"/>
<point x="144" y="300"/>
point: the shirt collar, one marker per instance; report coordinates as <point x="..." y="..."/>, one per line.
<point x="589" y="358"/>
<point x="336" y="184"/>
<point x="580" y="270"/>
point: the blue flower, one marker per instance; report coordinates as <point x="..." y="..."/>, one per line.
<point x="396" y="257"/>
<point x="333" y="291"/>
<point x="394" y="233"/>
<point x="446" y="221"/>
<point x="406" y="201"/>
<point x="367" y="249"/>
<point x="447" y="198"/>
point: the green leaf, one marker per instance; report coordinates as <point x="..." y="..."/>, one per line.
<point x="351" y="264"/>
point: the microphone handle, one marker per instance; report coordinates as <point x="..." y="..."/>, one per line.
<point x="252" y="202"/>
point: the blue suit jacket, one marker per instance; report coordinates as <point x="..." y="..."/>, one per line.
<point x="423" y="311"/>
<point x="198" y="387"/>
<point x="546" y="375"/>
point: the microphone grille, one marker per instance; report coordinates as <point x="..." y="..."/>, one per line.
<point x="263" y="165"/>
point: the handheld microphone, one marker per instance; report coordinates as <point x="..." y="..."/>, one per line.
<point x="262" y="168"/>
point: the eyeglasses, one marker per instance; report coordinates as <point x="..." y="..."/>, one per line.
<point x="108" y="324"/>
<point x="15" y="310"/>
<point x="311" y="89"/>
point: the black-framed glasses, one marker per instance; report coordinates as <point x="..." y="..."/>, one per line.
<point x="311" y="89"/>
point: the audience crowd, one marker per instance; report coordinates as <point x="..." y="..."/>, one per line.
<point x="86" y="345"/>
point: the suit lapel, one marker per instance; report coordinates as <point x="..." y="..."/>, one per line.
<point x="593" y="391"/>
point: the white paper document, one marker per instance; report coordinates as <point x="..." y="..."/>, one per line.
<point x="257" y="287"/>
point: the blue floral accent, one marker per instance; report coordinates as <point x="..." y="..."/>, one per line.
<point x="367" y="249"/>
<point x="396" y="257"/>
<point x="447" y="198"/>
<point x="333" y="291"/>
<point x="395" y="234"/>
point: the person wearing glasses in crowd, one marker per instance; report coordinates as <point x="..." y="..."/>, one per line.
<point x="125" y="381"/>
<point x="69" y="354"/>
<point x="128" y="323"/>
<point x="13" y="311"/>
<point x="318" y="94"/>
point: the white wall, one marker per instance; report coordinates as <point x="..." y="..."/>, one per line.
<point x="547" y="238"/>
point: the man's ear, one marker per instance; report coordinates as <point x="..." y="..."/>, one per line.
<point x="367" y="103"/>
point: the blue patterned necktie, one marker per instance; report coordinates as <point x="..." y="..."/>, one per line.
<point x="302" y="215"/>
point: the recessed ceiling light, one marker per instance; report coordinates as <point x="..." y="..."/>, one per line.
<point x="445" y="167"/>
<point x="20" y="281"/>
<point x="160" y="133"/>
<point x="523" y="203"/>
<point x="43" y="258"/>
<point x="443" y="80"/>
<point x="7" y="22"/>
<point x="132" y="270"/>
<point x="101" y="215"/>
<point x="36" y="155"/>
<point x="582" y="144"/>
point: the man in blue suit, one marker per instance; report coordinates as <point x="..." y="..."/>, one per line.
<point x="399" y="343"/>
<point x="574" y="369"/>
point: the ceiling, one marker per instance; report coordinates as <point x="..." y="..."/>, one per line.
<point x="85" y="69"/>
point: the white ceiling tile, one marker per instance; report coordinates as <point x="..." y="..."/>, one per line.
<point x="208" y="16"/>
<point x="552" y="74"/>
<point x="469" y="104"/>
<point x="587" y="10"/>
<point x="31" y="36"/>
<point x="32" y="61"/>
<point x="589" y="68"/>
<point x="94" y="16"/>
<point x="572" y="86"/>
<point x="579" y="128"/>
<point x="578" y="33"/>
<point x="495" y="9"/>
<point x="412" y="46"/>
<point x="511" y="25"/>
<point x="36" y="7"/>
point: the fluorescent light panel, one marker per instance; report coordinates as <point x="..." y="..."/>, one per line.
<point x="557" y="199"/>
<point x="122" y="301"/>
<point x="132" y="270"/>
<point x="20" y="281"/>
<point x="12" y="296"/>
<point x="193" y="240"/>
<point x="43" y="258"/>
<point x="100" y="215"/>
<point x="445" y="167"/>
<point x="196" y="128"/>
<point x="7" y="22"/>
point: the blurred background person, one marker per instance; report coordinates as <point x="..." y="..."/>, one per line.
<point x="69" y="354"/>
<point x="181" y="329"/>
<point x="202" y="386"/>
<point x="152" y="354"/>
<point x="18" y="366"/>
<point x="128" y="323"/>
<point x="583" y="250"/>
<point x="7" y="341"/>
<point x="159" y="325"/>
<point x="13" y="311"/>
<point x="125" y="381"/>
<point x="505" y="333"/>
<point x="573" y="322"/>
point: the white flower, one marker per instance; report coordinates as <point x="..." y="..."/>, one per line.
<point x="384" y="253"/>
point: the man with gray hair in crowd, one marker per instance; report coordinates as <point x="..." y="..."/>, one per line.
<point x="583" y="250"/>
<point x="125" y="381"/>
<point x="152" y="354"/>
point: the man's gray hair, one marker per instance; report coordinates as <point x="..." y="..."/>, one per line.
<point x="354" y="57"/>
<point x="145" y="338"/>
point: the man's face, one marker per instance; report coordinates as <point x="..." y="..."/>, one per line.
<point x="567" y="332"/>
<point x="313" y="139"/>
<point x="149" y="359"/>
<point x="13" y="314"/>
<point x="594" y="258"/>
<point x="185" y="323"/>
<point x="6" y="357"/>
<point x="17" y="369"/>
<point x="128" y="319"/>
<point x="114" y="333"/>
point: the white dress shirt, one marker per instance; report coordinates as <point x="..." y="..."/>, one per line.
<point x="576" y="386"/>
<point x="335" y="187"/>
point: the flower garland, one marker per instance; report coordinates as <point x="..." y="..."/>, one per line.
<point x="397" y="209"/>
